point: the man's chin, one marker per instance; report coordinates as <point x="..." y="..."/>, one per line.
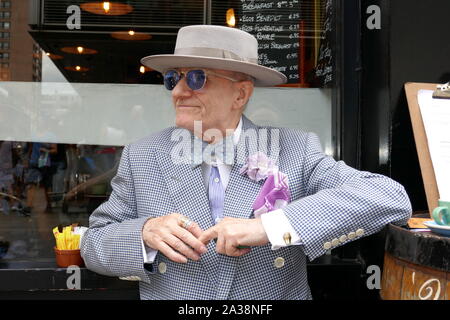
<point x="185" y="124"/>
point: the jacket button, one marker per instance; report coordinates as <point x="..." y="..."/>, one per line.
<point x="359" y="232"/>
<point x="279" y="262"/>
<point x="130" y="278"/>
<point x="334" y="242"/>
<point x="351" y="235"/>
<point x="327" y="245"/>
<point x="343" y="238"/>
<point x="162" y="267"/>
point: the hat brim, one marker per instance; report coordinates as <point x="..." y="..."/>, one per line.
<point x="264" y="77"/>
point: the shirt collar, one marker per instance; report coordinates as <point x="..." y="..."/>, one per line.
<point x="225" y="152"/>
<point x="237" y="132"/>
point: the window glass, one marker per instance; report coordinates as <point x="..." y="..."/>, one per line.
<point x="73" y="93"/>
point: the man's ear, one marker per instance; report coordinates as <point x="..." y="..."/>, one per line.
<point x="245" y="92"/>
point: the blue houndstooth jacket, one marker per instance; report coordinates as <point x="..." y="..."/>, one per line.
<point x="332" y="204"/>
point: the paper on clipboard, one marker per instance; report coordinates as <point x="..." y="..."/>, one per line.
<point x="436" y="120"/>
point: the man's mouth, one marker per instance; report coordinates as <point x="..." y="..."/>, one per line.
<point x="185" y="106"/>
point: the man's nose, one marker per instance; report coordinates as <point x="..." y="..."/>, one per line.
<point x="181" y="89"/>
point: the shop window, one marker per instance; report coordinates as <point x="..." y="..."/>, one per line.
<point x="83" y="94"/>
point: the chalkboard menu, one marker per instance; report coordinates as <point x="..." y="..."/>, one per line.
<point x="324" y="70"/>
<point x="277" y="27"/>
<point x="295" y="37"/>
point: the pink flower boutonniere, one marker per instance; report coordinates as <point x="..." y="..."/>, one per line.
<point x="275" y="192"/>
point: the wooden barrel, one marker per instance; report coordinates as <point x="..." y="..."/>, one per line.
<point x="416" y="266"/>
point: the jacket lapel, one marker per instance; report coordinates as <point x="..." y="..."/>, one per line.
<point x="241" y="191"/>
<point x="188" y="192"/>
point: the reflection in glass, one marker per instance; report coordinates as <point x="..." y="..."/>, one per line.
<point x="231" y="18"/>
<point x="45" y="184"/>
<point x="107" y="8"/>
<point x="79" y="50"/>
<point x="60" y="129"/>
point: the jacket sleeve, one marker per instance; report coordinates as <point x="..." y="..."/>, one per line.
<point x="113" y="243"/>
<point x="340" y="201"/>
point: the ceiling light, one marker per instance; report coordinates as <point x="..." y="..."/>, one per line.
<point x="144" y="69"/>
<point x="53" y="56"/>
<point x="231" y="18"/>
<point x="78" y="50"/>
<point x="131" y="35"/>
<point x="77" y="68"/>
<point x="107" y="8"/>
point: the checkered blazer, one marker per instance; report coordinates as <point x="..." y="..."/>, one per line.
<point x="332" y="204"/>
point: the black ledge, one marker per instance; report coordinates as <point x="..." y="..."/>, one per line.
<point x="44" y="280"/>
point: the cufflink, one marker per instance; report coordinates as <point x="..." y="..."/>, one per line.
<point x="287" y="238"/>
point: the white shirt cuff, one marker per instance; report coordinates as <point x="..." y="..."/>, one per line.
<point x="276" y="224"/>
<point x="148" y="253"/>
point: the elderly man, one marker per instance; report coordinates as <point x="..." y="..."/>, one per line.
<point x="203" y="210"/>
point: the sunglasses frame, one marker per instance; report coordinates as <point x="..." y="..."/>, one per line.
<point x="184" y="74"/>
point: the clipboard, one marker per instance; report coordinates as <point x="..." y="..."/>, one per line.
<point x="423" y="151"/>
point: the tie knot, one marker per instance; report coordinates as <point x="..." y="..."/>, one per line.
<point x="211" y="153"/>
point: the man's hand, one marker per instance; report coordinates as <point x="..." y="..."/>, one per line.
<point x="166" y="235"/>
<point x="232" y="233"/>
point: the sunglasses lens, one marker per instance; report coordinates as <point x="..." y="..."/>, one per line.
<point x="171" y="79"/>
<point x="195" y="79"/>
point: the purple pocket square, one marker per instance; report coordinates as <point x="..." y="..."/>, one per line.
<point x="274" y="194"/>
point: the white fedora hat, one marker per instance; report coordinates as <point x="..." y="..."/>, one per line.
<point x="216" y="47"/>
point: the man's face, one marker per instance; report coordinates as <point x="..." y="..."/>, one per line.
<point x="216" y="104"/>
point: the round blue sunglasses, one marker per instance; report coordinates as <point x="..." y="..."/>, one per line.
<point x="195" y="79"/>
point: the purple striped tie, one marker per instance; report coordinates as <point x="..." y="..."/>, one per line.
<point x="216" y="194"/>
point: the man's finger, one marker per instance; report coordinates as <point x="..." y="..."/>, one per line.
<point x="221" y="245"/>
<point x="233" y="249"/>
<point x="190" y="239"/>
<point x="195" y="229"/>
<point x="208" y="235"/>
<point x="243" y="251"/>
<point x="178" y="245"/>
<point x="170" y="253"/>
